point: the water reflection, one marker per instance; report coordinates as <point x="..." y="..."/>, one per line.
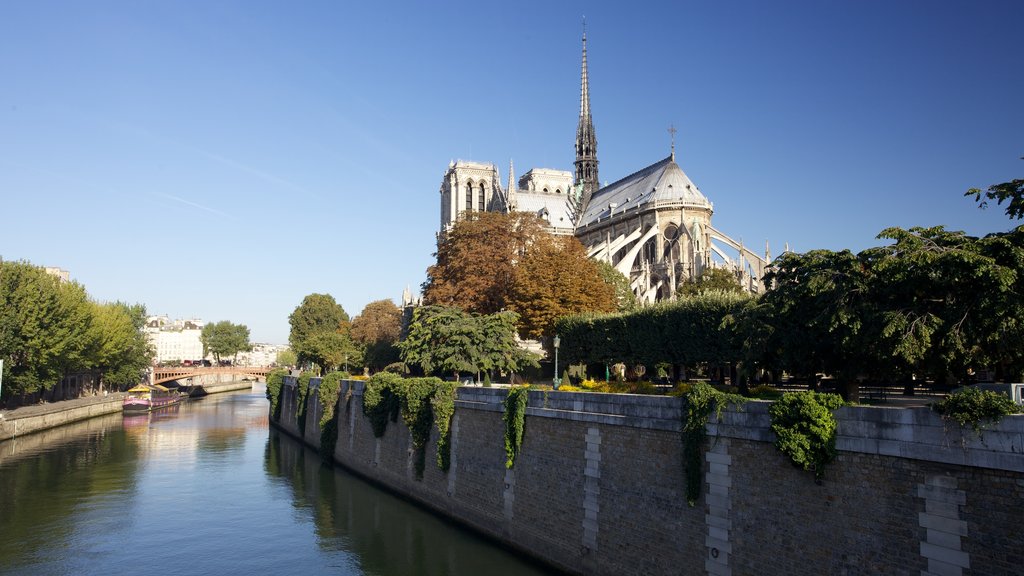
<point x="207" y="489"/>
<point x="386" y="534"/>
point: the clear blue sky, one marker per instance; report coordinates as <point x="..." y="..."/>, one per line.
<point x="225" y="159"/>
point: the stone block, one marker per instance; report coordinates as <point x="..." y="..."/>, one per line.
<point x="954" y="557"/>
<point x="716" y="568"/>
<point x="717" y="458"/>
<point x="944" y="539"/>
<point x="944" y="509"/>
<point x="942" y="524"/>
<point x="938" y="494"/>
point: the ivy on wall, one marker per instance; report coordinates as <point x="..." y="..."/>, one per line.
<point x="422" y="403"/>
<point x="300" y="400"/>
<point x="698" y="403"/>
<point x="443" y="405"/>
<point x="805" y="429"/>
<point x="514" y="417"/>
<point x="275" y="381"/>
<point x="330" y="388"/>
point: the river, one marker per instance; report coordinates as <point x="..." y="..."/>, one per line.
<point x="208" y="488"/>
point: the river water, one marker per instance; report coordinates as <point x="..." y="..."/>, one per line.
<point x="208" y="488"/>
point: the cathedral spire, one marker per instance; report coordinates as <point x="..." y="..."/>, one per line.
<point x="586" y="137"/>
<point x="511" y="192"/>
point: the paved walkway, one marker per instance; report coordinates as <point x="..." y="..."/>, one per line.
<point x="51" y="407"/>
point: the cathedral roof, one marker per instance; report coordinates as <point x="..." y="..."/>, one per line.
<point x="661" y="183"/>
<point x="554" y="208"/>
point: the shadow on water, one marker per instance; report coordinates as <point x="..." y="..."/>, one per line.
<point x="383" y="534"/>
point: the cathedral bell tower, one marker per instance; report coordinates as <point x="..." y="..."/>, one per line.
<point x="586" y="139"/>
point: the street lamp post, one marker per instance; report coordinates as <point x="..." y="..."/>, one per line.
<point x="556" y="380"/>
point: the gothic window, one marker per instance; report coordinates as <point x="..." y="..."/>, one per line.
<point x="650" y="251"/>
<point x="469" y="197"/>
<point x="483" y="195"/>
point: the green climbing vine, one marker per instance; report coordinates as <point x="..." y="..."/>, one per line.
<point x="380" y="402"/>
<point x="805" y="429"/>
<point x="416" y="413"/>
<point x="330" y="389"/>
<point x="302" y="390"/>
<point x="275" y="381"/>
<point x="514" y="417"/>
<point x="698" y="404"/>
<point x="422" y="403"/>
<point x="443" y="405"/>
<point x="973" y="407"/>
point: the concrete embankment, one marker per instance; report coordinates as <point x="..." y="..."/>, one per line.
<point x="598" y="486"/>
<point x="29" y="419"/>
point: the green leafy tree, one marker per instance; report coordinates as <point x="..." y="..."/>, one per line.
<point x="377" y="329"/>
<point x="286" y="358"/>
<point x="44" y="328"/>
<point x="446" y="339"/>
<point x="1011" y="192"/>
<point x="710" y="280"/>
<point x="119" y="348"/>
<point x="625" y="299"/>
<point x="224" y="339"/>
<point x="312" y="324"/>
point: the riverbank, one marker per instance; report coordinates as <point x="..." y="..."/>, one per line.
<point x="28" y="419"/>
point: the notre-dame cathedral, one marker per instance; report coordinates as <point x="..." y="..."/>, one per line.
<point x="653" y="225"/>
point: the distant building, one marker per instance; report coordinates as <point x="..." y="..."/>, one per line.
<point x="260" y="355"/>
<point x="174" y="341"/>
<point x="654" y="225"/>
<point x="61" y="273"/>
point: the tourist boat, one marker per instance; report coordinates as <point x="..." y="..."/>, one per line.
<point x="144" y="398"/>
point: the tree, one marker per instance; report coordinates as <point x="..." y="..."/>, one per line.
<point x="447" y="339"/>
<point x="377" y="329"/>
<point x="625" y="299"/>
<point x="119" y="349"/>
<point x="312" y="324"/>
<point x="44" y="328"/>
<point x="224" y="339"/>
<point x="286" y="358"/>
<point x="710" y="280"/>
<point x="555" y="279"/>
<point x="1011" y="192"/>
<point x="476" y="260"/>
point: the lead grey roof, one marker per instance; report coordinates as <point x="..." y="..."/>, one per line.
<point x="663" y="181"/>
<point x="556" y="206"/>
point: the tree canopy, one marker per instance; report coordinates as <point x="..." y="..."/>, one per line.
<point x="448" y="340"/>
<point x="224" y="339"/>
<point x="1011" y="192"/>
<point x="320" y="333"/>
<point x="377" y="329"/>
<point x="50" y="328"/>
<point x="555" y="279"/>
<point x="710" y="280"/>
<point x="491" y="262"/>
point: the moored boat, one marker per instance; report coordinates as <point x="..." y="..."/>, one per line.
<point x="144" y="398"/>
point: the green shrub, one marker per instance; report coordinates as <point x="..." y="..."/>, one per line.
<point x="765" y="392"/>
<point x="805" y="429"/>
<point x="973" y="407"/>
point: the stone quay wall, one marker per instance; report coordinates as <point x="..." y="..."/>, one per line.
<point x="599" y="487"/>
<point x="14" y="424"/>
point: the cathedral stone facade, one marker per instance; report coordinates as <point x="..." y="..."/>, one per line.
<point x="654" y="225"/>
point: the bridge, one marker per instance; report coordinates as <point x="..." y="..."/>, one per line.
<point x="162" y="375"/>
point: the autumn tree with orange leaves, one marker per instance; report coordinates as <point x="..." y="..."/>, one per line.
<point x="491" y="262"/>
